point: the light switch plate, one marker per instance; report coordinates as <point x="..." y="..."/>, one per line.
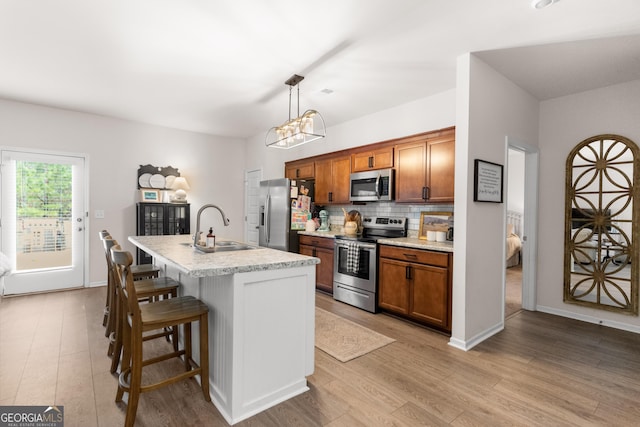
<point x="99" y="213"/>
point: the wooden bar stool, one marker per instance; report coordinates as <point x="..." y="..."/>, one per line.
<point x="141" y="271"/>
<point x="146" y="317"/>
<point x="146" y="289"/>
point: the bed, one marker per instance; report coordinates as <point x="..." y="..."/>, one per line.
<point x="513" y="243"/>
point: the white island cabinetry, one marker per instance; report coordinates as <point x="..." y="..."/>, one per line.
<point x="261" y="319"/>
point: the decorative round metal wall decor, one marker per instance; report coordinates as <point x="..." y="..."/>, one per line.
<point x="601" y="224"/>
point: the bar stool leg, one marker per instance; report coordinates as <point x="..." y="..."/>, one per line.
<point x="135" y="379"/>
<point x="187" y="346"/>
<point x="204" y="356"/>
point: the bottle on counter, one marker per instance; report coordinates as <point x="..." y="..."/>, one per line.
<point x="211" y="238"/>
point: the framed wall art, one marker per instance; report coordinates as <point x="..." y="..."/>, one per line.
<point x="487" y="181"/>
<point x="434" y="221"/>
<point x="149" y="195"/>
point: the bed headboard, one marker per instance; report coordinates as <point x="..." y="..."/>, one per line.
<point x="515" y="218"/>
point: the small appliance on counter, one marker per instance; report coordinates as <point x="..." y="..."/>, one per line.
<point x="324" y="220"/>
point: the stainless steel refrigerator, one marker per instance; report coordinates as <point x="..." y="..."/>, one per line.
<point x="280" y="201"/>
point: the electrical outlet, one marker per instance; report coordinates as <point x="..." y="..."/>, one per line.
<point x="99" y="213"/>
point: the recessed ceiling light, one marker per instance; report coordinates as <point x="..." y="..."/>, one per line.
<point x="327" y="91"/>
<point x="541" y="4"/>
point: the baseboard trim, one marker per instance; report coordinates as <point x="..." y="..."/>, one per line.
<point x="589" y="319"/>
<point x="474" y="341"/>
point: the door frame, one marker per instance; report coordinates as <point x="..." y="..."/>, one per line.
<point x="246" y="199"/>
<point x="529" y="253"/>
<point x="85" y="208"/>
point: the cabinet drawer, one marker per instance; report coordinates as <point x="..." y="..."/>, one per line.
<point x="440" y="259"/>
<point x="319" y="242"/>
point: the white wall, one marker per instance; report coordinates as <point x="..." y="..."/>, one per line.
<point x="116" y="148"/>
<point x="564" y="123"/>
<point x="489" y="108"/>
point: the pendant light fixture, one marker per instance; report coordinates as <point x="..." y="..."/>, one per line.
<point x="300" y="130"/>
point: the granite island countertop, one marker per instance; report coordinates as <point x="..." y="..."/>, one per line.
<point x="176" y="251"/>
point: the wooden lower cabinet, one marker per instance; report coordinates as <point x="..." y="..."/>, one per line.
<point x="320" y="247"/>
<point x="416" y="284"/>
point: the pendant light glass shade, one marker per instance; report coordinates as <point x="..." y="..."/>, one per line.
<point x="300" y="130"/>
<point x="305" y="128"/>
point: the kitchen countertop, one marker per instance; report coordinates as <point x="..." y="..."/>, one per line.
<point x="174" y="250"/>
<point x="412" y="242"/>
<point x="407" y="242"/>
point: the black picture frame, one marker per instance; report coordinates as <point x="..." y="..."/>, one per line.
<point x="488" y="179"/>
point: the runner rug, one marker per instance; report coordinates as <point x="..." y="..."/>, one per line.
<point x="344" y="339"/>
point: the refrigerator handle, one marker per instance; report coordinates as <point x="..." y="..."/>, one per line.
<point x="267" y="219"/>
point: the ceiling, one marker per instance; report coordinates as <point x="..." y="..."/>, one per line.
<point x="219" y="67"/>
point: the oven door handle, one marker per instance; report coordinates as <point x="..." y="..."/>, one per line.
<point x="367" y="246"/>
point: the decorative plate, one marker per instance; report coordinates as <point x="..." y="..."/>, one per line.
<point x="156" y="181"/>
<point x="143" y="180"/>
<point x="169" y="180"/>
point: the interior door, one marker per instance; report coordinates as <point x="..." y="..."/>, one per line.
<point x="43" y="220"/>
<point x="252" y="206"/>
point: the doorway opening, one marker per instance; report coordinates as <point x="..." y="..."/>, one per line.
<point x="521" y="210"/>
<point x="515" y="220"/>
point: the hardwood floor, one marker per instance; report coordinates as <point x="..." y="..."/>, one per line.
<point x="541" y="370"/>
<point x="513" y="294"/>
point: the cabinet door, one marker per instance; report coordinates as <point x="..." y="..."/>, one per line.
<point x="324" y="270"/>
<point x="411" y="172"/>
<point x="332" y="181"/>
<point x="369" y="160"/>
<point x="341" y="179"/>
<point x="393" y="287"/>
<point x="323" y="182"/>
<point x="441" y="168"/>
<point x="430" y="295"/>
<point x="177" y="219"/>
<point x="299" y="170"/>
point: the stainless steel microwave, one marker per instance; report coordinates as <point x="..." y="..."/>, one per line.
<point x="371" y="186"/>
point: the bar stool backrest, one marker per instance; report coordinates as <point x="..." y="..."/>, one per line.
<point x="124" y="279"/>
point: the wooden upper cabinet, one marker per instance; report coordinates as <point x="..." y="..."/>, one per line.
<point x="411" y="172"/>
<point x="369" y="160"/>
<point x="425" y="170"/>
<point x="332" y="180"/>
<point x="424" y="167"/>
<point x="299" y="170"/>
<point x="441" y="168"/>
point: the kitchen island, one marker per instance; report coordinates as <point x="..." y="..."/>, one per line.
<point x="261" y="319"/>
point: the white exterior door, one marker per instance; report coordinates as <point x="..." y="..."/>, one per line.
<point x="43" y="220"/>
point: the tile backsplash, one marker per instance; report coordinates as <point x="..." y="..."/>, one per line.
<point x="412" y="212"/>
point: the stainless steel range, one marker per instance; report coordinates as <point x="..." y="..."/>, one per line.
<point x="355" y="261"/>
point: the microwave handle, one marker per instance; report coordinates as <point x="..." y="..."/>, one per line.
<point x="378" y="185"/>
